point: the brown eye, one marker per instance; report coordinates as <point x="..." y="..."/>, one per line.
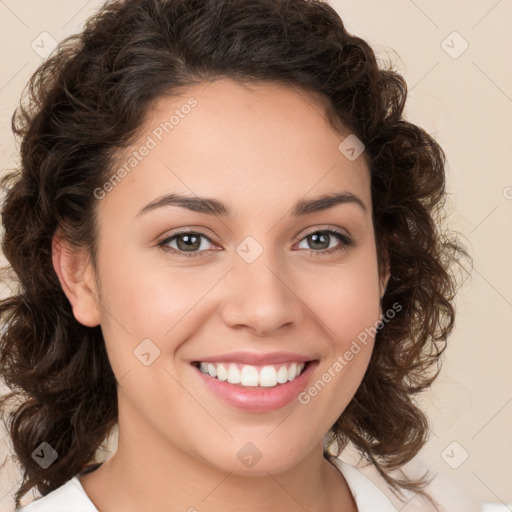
<point x="319" y="242"/>
<point x="188" y="243"/>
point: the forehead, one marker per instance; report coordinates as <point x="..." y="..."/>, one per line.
<point x="249" y="145"/>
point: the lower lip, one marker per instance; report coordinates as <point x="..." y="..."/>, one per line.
<point x="258" y="399"/>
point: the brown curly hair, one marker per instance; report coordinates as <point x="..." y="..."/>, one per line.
<point x="87" y="101"/>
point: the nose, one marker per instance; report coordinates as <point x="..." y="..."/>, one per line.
<point x="260" y="298"/>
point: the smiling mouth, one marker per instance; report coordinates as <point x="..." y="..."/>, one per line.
<point x="246" y="375"/>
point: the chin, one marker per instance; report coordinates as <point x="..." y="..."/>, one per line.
<point x="249" y="460"/>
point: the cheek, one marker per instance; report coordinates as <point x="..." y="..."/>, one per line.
<point x="346" y="299"/>
<point x="148" y="299"/>
<point x="347" y="304"/>
<point x="140" y="303"/>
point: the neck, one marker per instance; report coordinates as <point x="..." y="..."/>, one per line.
<point x="153" y="475"/>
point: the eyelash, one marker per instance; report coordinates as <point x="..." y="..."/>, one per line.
<point x="342" y="237"/>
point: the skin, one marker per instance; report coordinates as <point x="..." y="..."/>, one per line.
<point x="259" y="149"/>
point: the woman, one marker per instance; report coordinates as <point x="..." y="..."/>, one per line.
<point x="228" y="244"/>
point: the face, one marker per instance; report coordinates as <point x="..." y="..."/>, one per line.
<point x="259" y="283"/>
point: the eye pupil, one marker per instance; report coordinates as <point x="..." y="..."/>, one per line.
<point x="191" y="242"/>
<point x="320" y="237"/>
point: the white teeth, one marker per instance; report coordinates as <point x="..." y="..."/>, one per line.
<point x="268" y="376"/>
<point x="251" y="376"/>
<point x="222" y="373"/>
<point x="282" y="375"/>
<point x="233" y="374"/>
<point x="212" y="370"/>
<point x="292" y="371"/>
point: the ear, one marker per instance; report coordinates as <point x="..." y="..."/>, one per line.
<point x="384" y="278"/>
<point x="77" y="278"/>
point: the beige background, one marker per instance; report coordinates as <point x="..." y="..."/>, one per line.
<point x="465" y="100"/>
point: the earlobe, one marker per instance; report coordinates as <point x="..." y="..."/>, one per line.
<point x="385" y="279"/>
<point x="77" y="279"/>
<point x="384" y="284"/>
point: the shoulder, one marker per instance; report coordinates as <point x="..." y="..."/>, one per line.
<point x="69" y="497"/>
<point x="368" y="497"/>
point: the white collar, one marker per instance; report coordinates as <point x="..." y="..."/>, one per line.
<point x="368" y="497"/>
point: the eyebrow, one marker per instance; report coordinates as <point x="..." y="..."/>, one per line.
<point x="218" y="208"/>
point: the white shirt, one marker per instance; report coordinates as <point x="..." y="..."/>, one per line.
<point x="71" y="497"/>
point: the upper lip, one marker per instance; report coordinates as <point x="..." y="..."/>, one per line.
<point x="256" y="359"/>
